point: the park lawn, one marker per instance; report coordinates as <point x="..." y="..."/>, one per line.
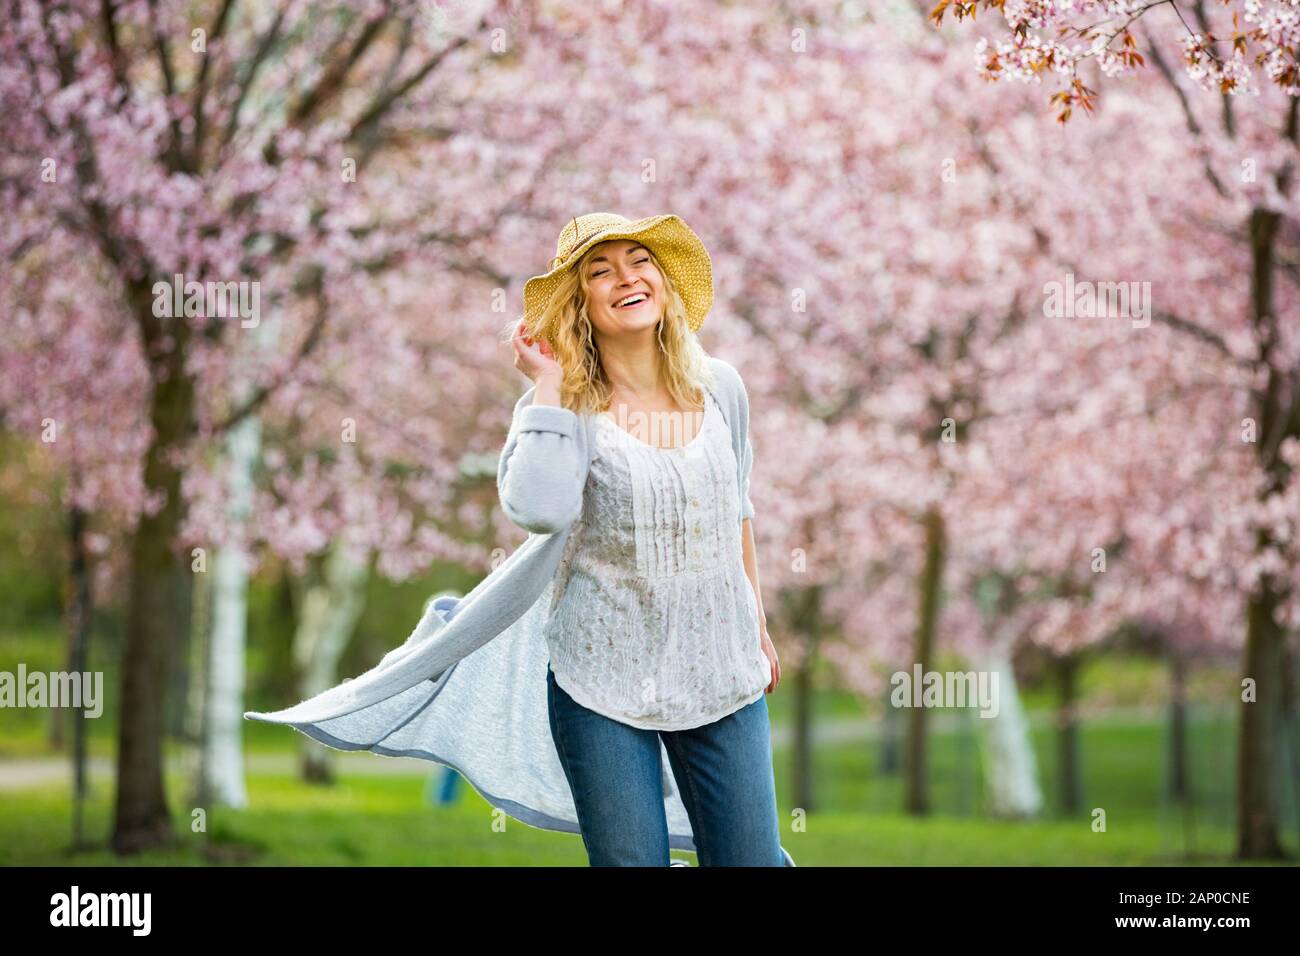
<point x="367" y="820"/>
<point x="1123" y="764"/>
<point x="373" y="821"/>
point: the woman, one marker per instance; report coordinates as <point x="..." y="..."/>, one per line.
<point x="471" y="686"/>
<point x="656" y="632"/>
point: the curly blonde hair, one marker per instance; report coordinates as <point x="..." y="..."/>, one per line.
<point x="683" y="364"/>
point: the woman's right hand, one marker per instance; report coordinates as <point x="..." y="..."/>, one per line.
<point x="534" y="357"/>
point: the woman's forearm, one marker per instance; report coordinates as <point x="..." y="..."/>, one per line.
<point x="751" y="569"/>
<point x="542" y="468"/>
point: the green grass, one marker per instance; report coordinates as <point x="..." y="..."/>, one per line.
<point x="379" y="820"/>
<point x="366" y="821"/>
<point x="361" y="821"/>
<point x="1123" y="766"/>
<point x="385" y="821"/>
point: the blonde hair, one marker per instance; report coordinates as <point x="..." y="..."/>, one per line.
<point x="683" y="365"/>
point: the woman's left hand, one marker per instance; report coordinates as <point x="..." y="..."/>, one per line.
<point x="769" y="649"/>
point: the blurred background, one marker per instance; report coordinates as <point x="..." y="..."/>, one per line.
<point x="1014" y="298"/>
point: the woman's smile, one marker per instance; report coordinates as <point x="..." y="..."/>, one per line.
<point x="632" y="301"/>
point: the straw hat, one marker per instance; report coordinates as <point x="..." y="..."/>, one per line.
<point x="678" y="249"/>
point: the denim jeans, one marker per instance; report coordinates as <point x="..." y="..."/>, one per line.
<point x="723" y="772"/>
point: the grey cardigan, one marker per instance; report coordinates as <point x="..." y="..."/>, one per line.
<point x="468" y="687"/>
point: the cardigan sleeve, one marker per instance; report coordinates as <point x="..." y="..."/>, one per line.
<point x="542" y="469"/>
<point x="747" y="453"/>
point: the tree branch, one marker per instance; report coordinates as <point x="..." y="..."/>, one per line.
<point x="264" y="47"/>
<point x="175" y="155"/>
<point x="215" y="33"/>
<point x="265" y="391"/>
<point x="329" y="85"/>
<point x="107" y="16"/>
<point x="383" y="102"/>
<point x="1193" y="125"/>
<point x="1202" y="334"/>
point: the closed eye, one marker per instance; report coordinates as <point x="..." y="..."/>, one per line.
<point x="603" y="271"/>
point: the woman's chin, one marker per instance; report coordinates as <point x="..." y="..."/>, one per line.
<point x="632" y="324"/>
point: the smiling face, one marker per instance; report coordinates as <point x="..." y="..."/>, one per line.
<point x="621" y="271"/>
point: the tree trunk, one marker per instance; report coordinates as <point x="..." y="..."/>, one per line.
<point x="331" y="607"/>
<point x="1291" y="724"/>
<point x="179" y="680"/>
<point x="1179" y="785"/>
<point x="1181" y="782"/>
<point x="889" y="737"/>
<point x="222" y="765"/>
<point x="79" y="611"/>
<point x="806" y="627"/>
<point x="197" y="701"/>
<point x="221" y="772"/>
<point x="915" y="796"/>
<point x="1011" y="790"/>
<point x="1067" y="671"/>
<point x="1259" y="749"/>
<point x="158" y="602"/>
<point x="76" y="609"/>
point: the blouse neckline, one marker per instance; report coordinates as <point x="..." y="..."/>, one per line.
<point x="695" y="439"/>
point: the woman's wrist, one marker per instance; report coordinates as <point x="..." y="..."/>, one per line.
<point x="548" y="389"/>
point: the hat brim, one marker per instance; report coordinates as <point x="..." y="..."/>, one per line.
<point x="674" y="244"/>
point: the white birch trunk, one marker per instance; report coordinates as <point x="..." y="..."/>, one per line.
<point x="330" y="609"/>
<point x="223" y="751"/>
<point x="1010" y="770"/>
<point x="221" y="771"/>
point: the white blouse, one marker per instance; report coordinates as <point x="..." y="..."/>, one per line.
<point x="653" y="620"/>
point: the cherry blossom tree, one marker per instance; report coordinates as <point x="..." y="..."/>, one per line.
<point x="134" y="153"/>
<point x="1231" y="47"/>
<point x="1236" y="161"/>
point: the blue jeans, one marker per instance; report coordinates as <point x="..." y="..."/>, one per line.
<point x="723" y="772"/>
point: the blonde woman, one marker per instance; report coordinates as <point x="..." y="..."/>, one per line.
<point x="608" y="677"/>
<point x="656" y="630"/>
